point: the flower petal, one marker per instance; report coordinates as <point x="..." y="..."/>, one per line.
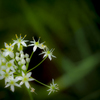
<point x="1" y="77"/>
<point x="23" y="73"/>
<point x="34" y="48"/>
<point x="27" y="85"/>
<point x="21" y="83"/>
<point x="31" y="79"/>
<point x="29" y="74"/>
<point x="18" y="78"/>
<point x="17" y="85"/>
<point x="24" y="44"/>
<point x="12" y="88"/>
<point x="7" y="85"/>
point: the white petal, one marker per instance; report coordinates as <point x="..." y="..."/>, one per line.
<point x="12" y="88"/>
<point x="1" y="77"/>
<point x="53" y="81"/>
<point x="13" y="43"/>
<point x="7" y="85"/>
<point x="17" y="85"/>
<point x="49" y="56"/>
<point x="31" y="41"/>
<point x="27" y="85"/>
<point x="34" y="48"/>
<point x="23" y="73"/>
<point x="18" y="45"/>
<point x="21" y="83"/>
<point x="6" y="80"/>
<point x="6" y="53"/>
<point x="30" y="44"/>
<point x="29" y="74"/>
<point x="5" y="44"/>
<point x="18" y="78"/>
<point x="25" y="40"/>
<point x="31" y="79"/>
<point x="11" y="54"/>
<point x="7" y="69"/>
<point x="53" y="56"/>
<point x="24" y="44"/>
<point x="44" y="55"/>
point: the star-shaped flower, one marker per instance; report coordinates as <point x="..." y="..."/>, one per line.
<point x="12" y="83"/>
<point x="48" y="53"/>
<point x="8" y="50"/>
<point x="20" y="41"/>
<point x="25" y="79"/>
<point x="53" y="87"/>
<point x="36" y="44"/>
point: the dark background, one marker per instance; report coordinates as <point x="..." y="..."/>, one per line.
<point x="72" y="27"/>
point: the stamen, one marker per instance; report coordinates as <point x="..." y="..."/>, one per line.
<point x="6" y="44"/>
<point x="2" y="48"/>
<point x="33" y="38"/>
<point x="25" y="35"/>
<point x="16" y="35"/>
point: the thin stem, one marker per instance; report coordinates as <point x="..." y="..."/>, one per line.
<point x="42" y="83"/>
<point x="16" y="63"/>
<point x="37" y="65"/>
<point x="31" y="55"/>
<point x="30" y="95"/>
<point x="30" y="59"/>
<point x="18" y="66"/>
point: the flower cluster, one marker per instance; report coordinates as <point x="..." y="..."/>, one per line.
<point x="14" y="63"/>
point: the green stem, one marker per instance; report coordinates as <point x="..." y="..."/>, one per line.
<point x="31" y="55"/>
<point x="37" y="65"/>
<point x="42" y="83"/>
<point x="18" y="66"/>
<point x="30" y="59"/>
<point x="30" y="95"/>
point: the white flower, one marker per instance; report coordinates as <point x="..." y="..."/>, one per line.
<point x="12" y="83"/>
<point x="25" y="79"/>
<point x="53" y="87"/>
<point x="8" y="50"/>
<point x="20" y="41"/>
<point x="32" y="89"/>
<point x="1" y="74"/>
<point x="17" y="58"/>
<point x="10" y="65"/>
<point x="6" y="75"/>
<point x="36" y="44"/>
<point x="2" y="58"/>
<point x="24" y="67"/>
<point x="26" y="55"/>
<point x="42" y="46"/>
<point x="48" y="53"/>
<point x="23" y="61"/>
<point x="17" y="54"/>
<point x="28" y="60"/>
<point x="22" y="55"/>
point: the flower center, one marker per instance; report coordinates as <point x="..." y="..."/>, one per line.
<point x="48" y="52"/>
<point x="3" y="64"/>
<point x="53" y="87"/>
<point x="12" y="82"/>
<point x="36" y="43"/>
<point x="9" y="64"/>
<point x="9" y="49"/>
<point x="25" y="79"/>
<point x="19" y="40"/>
<point x="6" y="75"/>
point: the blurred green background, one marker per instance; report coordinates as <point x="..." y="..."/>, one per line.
<point x="69" y="26"/>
